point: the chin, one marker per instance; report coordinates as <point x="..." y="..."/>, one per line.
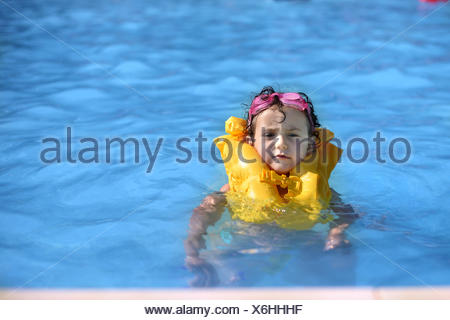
<point x="281" y="170"/>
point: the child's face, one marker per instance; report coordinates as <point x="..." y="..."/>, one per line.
<point x="281" y="144"/>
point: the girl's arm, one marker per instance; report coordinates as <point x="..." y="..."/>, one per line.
<point x="205" y="215"/>
<point x="346" y="216"/>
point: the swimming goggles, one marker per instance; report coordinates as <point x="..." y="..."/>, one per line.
<point x="290" y="99"/>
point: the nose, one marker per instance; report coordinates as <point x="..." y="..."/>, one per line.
<point x="281" y="143"/>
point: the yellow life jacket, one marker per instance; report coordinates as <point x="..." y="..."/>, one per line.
<point x="253" y="195"/>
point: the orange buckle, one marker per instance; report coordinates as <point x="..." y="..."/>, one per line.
<point x="293" y="183"/>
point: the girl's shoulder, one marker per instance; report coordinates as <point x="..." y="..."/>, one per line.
<point x="225" y="188"/>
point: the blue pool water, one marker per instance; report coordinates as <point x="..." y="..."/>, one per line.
<point x="170" y="69"/>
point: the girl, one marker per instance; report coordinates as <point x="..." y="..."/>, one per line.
<point x="278" y="162"/>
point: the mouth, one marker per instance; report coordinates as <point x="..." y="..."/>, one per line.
<point x="282" y="156"/>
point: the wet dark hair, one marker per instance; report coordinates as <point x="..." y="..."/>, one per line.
<point x="268" y="90"/>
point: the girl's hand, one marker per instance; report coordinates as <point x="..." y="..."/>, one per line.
<point x="336" y="238"/>
<point x="205" y="274"/>
<point x="206" y="214"/>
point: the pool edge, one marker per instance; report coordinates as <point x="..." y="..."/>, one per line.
<point x="328" y="293"/>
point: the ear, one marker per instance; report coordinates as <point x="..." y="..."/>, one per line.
<point x="311" y="144"/>
<point x="248" y="140"/>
